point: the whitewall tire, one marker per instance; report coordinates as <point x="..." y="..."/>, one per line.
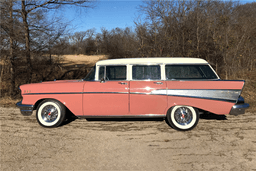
<point x="50" y="113"/>
<point x="182" y="118"/>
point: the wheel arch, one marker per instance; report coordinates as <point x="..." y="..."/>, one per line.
<point x="70" y="108"/>
<point x="40" y="100"/>
<point x="196" y="108"/>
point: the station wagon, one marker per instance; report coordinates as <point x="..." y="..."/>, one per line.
<point x="177" y="89"/>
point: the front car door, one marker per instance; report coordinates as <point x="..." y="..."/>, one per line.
<point x="108" y="97"/>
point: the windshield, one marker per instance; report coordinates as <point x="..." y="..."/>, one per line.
<point x="189" y="72"/>
<point x="91" y="75"/>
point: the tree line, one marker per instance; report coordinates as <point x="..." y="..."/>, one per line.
<point x="222" y="32"/>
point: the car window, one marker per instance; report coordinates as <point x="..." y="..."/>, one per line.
<point x="101" y="72"/>
<point x="146" y="72"/>
<point x="91" y="75"/>
<point x="189" y="72"/>
<point x="112" y="72"/>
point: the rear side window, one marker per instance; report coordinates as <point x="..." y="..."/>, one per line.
<point x="189" y="72"/>
<point x="112" y="72"/>
<point x="146" y="72"/>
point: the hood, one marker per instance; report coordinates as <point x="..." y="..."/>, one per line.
<point x="60" y="86"/>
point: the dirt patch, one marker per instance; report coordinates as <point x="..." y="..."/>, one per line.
<point x="217" y="143"/>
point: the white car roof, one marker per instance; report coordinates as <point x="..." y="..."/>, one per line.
<point x="156" y="60"/>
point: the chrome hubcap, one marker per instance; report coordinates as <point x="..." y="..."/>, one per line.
<point x="183" y="116"/>
<point x="49" y="113"/>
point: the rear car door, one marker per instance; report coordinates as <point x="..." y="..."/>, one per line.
<point x="147" y="91"/>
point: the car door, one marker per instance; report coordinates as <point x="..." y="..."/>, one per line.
<point x="108" y="97"/>
<point x="147" y="91"/>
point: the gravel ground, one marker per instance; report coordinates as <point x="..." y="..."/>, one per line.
<point x="217" y="143"/>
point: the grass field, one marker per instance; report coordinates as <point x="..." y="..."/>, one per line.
<point x="82" y="59"/>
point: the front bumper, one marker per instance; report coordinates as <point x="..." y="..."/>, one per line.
<point x="239" y="109"/>
<point x="25" y="109"/>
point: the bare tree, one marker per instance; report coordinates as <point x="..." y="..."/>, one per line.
<point x="9" y="42"/>
<point x="11" y="34"/>
<point x="28" y="6"/>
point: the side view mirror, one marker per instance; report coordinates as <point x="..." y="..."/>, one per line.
<point x="102" y="80"/>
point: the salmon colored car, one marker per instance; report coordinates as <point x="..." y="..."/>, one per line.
<point x="177" y="89"/>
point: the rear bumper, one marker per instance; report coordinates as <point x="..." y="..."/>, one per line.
<point x="239" y="109"/>
<point x="25" y="109"/>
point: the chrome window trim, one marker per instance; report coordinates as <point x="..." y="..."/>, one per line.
<point x="147" y="64"/>
<point x="160" y="65"/>
<point x="214" y="71"/>
<point x="89" y="73"/>
<point x="185" y="64"/>
<point x="98" y="71"/>
<point x="192" y="78"/>
<point x="162" y="70"/>
<point x="114" y="65"/>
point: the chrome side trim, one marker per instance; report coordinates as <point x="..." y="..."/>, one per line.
<point x="144" y="93"/>
<point x="206" y="98"/>
<point x="25" y="109"/>
<point x="53" y="93"/>
<point x="226" y="95"/>
<point x="105" y="92"/>
<point x="212" y="94"/>
<point x="78" y="93"/>
<point x="124" y="116"/>
<point x="239" y="109"/>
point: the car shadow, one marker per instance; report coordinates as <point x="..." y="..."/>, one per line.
<point x="70" y="118"/>
<point x="211" y="116"/>
<point x="124" y="119"/>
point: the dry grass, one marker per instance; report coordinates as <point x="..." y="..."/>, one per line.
<point x="82" y="59"/>
<point x="8" y="102"/>
<point x="249" y="91"/>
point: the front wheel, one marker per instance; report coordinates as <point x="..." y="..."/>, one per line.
<point x="182" y="118"/>
<point x="50" y="113"/>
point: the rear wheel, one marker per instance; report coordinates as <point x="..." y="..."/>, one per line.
<point x="182" y="118"/>
<point x="50" y="113"/>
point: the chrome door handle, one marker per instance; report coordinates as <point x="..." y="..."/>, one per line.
<point x="158" y="82"/>
<point x="122" y="83"/>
